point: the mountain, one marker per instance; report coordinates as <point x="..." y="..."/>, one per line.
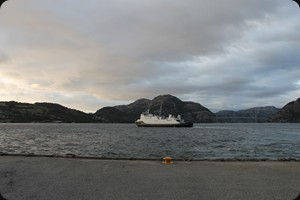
<point x="190" y="111"/>
<point x="257" y="114"/>
<point x="289" y="113"/>
<point x="41" y="112"/>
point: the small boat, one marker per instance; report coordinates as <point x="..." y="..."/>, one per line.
<point x="149" y="120"/>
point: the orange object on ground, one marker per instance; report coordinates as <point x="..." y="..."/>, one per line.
<point x="167" y="160"/>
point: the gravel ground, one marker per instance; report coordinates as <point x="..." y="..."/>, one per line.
<point x="42" y="178"/>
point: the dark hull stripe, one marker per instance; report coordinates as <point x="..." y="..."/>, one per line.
<point x="165" y="125"/>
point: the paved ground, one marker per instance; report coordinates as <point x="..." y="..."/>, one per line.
<point x="38" y="178"/>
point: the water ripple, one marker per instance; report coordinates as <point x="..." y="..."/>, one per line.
<point x="203" y="141"/>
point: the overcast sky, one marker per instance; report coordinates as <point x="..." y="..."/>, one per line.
<point x="94" y="53"/>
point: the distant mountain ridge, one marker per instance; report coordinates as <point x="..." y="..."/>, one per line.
<point x="12" y="111"/>
<point x="251" y="115"/>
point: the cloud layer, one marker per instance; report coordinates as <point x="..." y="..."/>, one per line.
<point x="86" y="55"/>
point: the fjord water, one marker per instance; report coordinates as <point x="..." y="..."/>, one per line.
<point x="203" y="141"/>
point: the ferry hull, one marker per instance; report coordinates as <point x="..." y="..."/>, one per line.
<point x="141" y="124"/>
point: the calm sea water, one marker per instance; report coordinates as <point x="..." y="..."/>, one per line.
<point x="203" y="141"/>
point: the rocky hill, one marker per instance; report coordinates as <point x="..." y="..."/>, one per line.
<point x="251" y="115"/>
<point x="190" y="111"/>
<point x="41" y="112"/>
<point x="289" y="113"/>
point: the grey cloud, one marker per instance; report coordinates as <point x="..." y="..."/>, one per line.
<point x="174" y="30"/>
<point x="120" y="50"/>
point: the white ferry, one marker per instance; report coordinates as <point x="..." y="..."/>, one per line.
<point x="149" y="120"/>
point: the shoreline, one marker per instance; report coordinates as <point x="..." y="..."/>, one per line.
<point x="36" y="178"/>
<point x="238" y="159"/>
